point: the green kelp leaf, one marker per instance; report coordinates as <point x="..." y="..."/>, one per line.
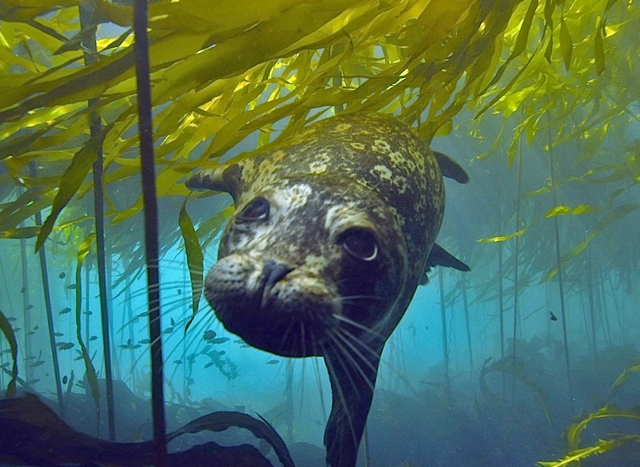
<point x="566" y="44"/>
<point x="92" y="376"/>
<point x="195" y="259"/>
<point x="567" y="210"/>
<point x="599" y="51"/>
<point x="615" y="214"/>
<point x="503" y="238"/>
<point x="624" y="376"/>
<point x="23" y="10"/>
<point x="608" y="411"/>
<point x="71" y="180"/>
<point x="601" y="447"/>
<point x="23" y="232"/>
<point x="7" y="330"/>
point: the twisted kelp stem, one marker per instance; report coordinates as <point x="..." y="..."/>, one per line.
<point x="516" y="257"/>
<point x="465" y="302"/>
<point x="48" y="308"/>
<point x="145" y="131"/>
<point x="90" y="48"/>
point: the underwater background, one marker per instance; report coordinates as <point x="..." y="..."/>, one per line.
<point x="531" y="358"/>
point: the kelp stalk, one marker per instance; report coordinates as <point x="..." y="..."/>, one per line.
<point x="48" y="307"/>
<point x="592" y="310"/>
<point x="465" y="302"/>
<point x="445" y="349"/>
<point x="515" y="273"/>
<point x="90" y="48"/>
<point x="563" y="315"/>
<point x="25" y="302"/>
<point x="145" y="130"/>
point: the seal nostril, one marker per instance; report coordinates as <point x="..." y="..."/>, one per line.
<point x="272" y="273"/>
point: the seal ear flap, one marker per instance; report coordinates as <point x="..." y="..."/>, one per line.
<point x="223" y="178"/>
<point x="450" y="168"/>
<point x="441" y="257"/>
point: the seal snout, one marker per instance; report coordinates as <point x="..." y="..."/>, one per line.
<point x="272" y="273"/>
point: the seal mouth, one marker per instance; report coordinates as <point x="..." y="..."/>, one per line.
<point x="271" y="305"/>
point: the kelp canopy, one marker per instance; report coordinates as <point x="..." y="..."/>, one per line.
<point x="222" y="71"/>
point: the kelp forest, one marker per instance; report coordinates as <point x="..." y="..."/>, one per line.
<point x="109" y="352"/>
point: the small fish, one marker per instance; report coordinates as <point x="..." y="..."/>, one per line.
<point x="72" y="286"/>
<point x="65" y="345"/>
<point x="178" y="362"/>
<point x="552" y="317"/>
<point x="93" y="338"/>
<point x="64" y="379"/>
<point x="22" y="290"/>
<point x="31" y="333"/>
<point x="33" y="381"/>
<point x="173" y="322"/>
<point x="219" y="340"/>
<point x="209" y="335"/>
<point x="38" y="363"/>
<point x="179" y="291"/>
<point x="58" y="334"/>
<point x="209" y="364"/>
<point x="29" y="358"/>
<point x="273" y="362"/>
<point x="144" y="341"/>
<point x="88" y="313"/>
<point x="17" y="329"/>
<point x="28" y="307"/>
<point x="168" y="330"/>
<point x="62" y="275"/>
<point x="65" y="311"/>
<point x="35" y="328"/>
<point x="11" y="318"/>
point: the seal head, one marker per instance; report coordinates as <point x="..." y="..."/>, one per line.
<point x="330" y="238"/>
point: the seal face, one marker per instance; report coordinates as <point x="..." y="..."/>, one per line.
<point x="330" y="238"/>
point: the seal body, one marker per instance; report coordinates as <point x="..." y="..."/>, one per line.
<point x="329" y="241"/>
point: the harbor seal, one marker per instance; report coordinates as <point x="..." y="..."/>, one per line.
<point x="331" y="236"/>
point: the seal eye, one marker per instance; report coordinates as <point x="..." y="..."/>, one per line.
<point x="360" y="244"/>
<point x="256" y="210"/>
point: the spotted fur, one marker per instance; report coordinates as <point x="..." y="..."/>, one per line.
<point x="354" y="204"/>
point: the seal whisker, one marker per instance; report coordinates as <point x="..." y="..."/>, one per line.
<point x="356" y="353"/>
<point x="355" y="324"/>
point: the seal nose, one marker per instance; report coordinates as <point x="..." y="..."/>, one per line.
<point x="272" y="273"/>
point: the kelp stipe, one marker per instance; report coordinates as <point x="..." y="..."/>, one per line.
<point x="44" y="274"/>
<point x="556" y="229"/>
<point x="89" y="50"/>
<point x="145" y="130"/>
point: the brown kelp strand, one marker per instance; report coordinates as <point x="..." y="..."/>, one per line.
<point x="145" y="130"/>
<point x="89" y="45"/>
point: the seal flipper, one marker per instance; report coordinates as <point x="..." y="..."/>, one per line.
<point x="450" y="168"/>
<point x="223" y="178"/>
<point x="441" y="257"/>
<point x="352" y="390"/>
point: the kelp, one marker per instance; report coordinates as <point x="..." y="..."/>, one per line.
<point x="7" y="330"/>
<point x="32" y="433"/>
<point x="609" y="411"/>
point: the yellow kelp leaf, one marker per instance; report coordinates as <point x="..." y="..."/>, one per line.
<point x="23" y="10"/>
<point x="503" y="238"/>
<point x="599" y="51"/>
<point x="195" y="259"/>
<point x="7" y="330"/>
<point x="608" y="411"/>
<point x="71" y="181"/>
<point x="624" y="376"/>
<point x="566" y="44"/>
<point x="567" y="210"/>
<point x="601" y="447"/>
